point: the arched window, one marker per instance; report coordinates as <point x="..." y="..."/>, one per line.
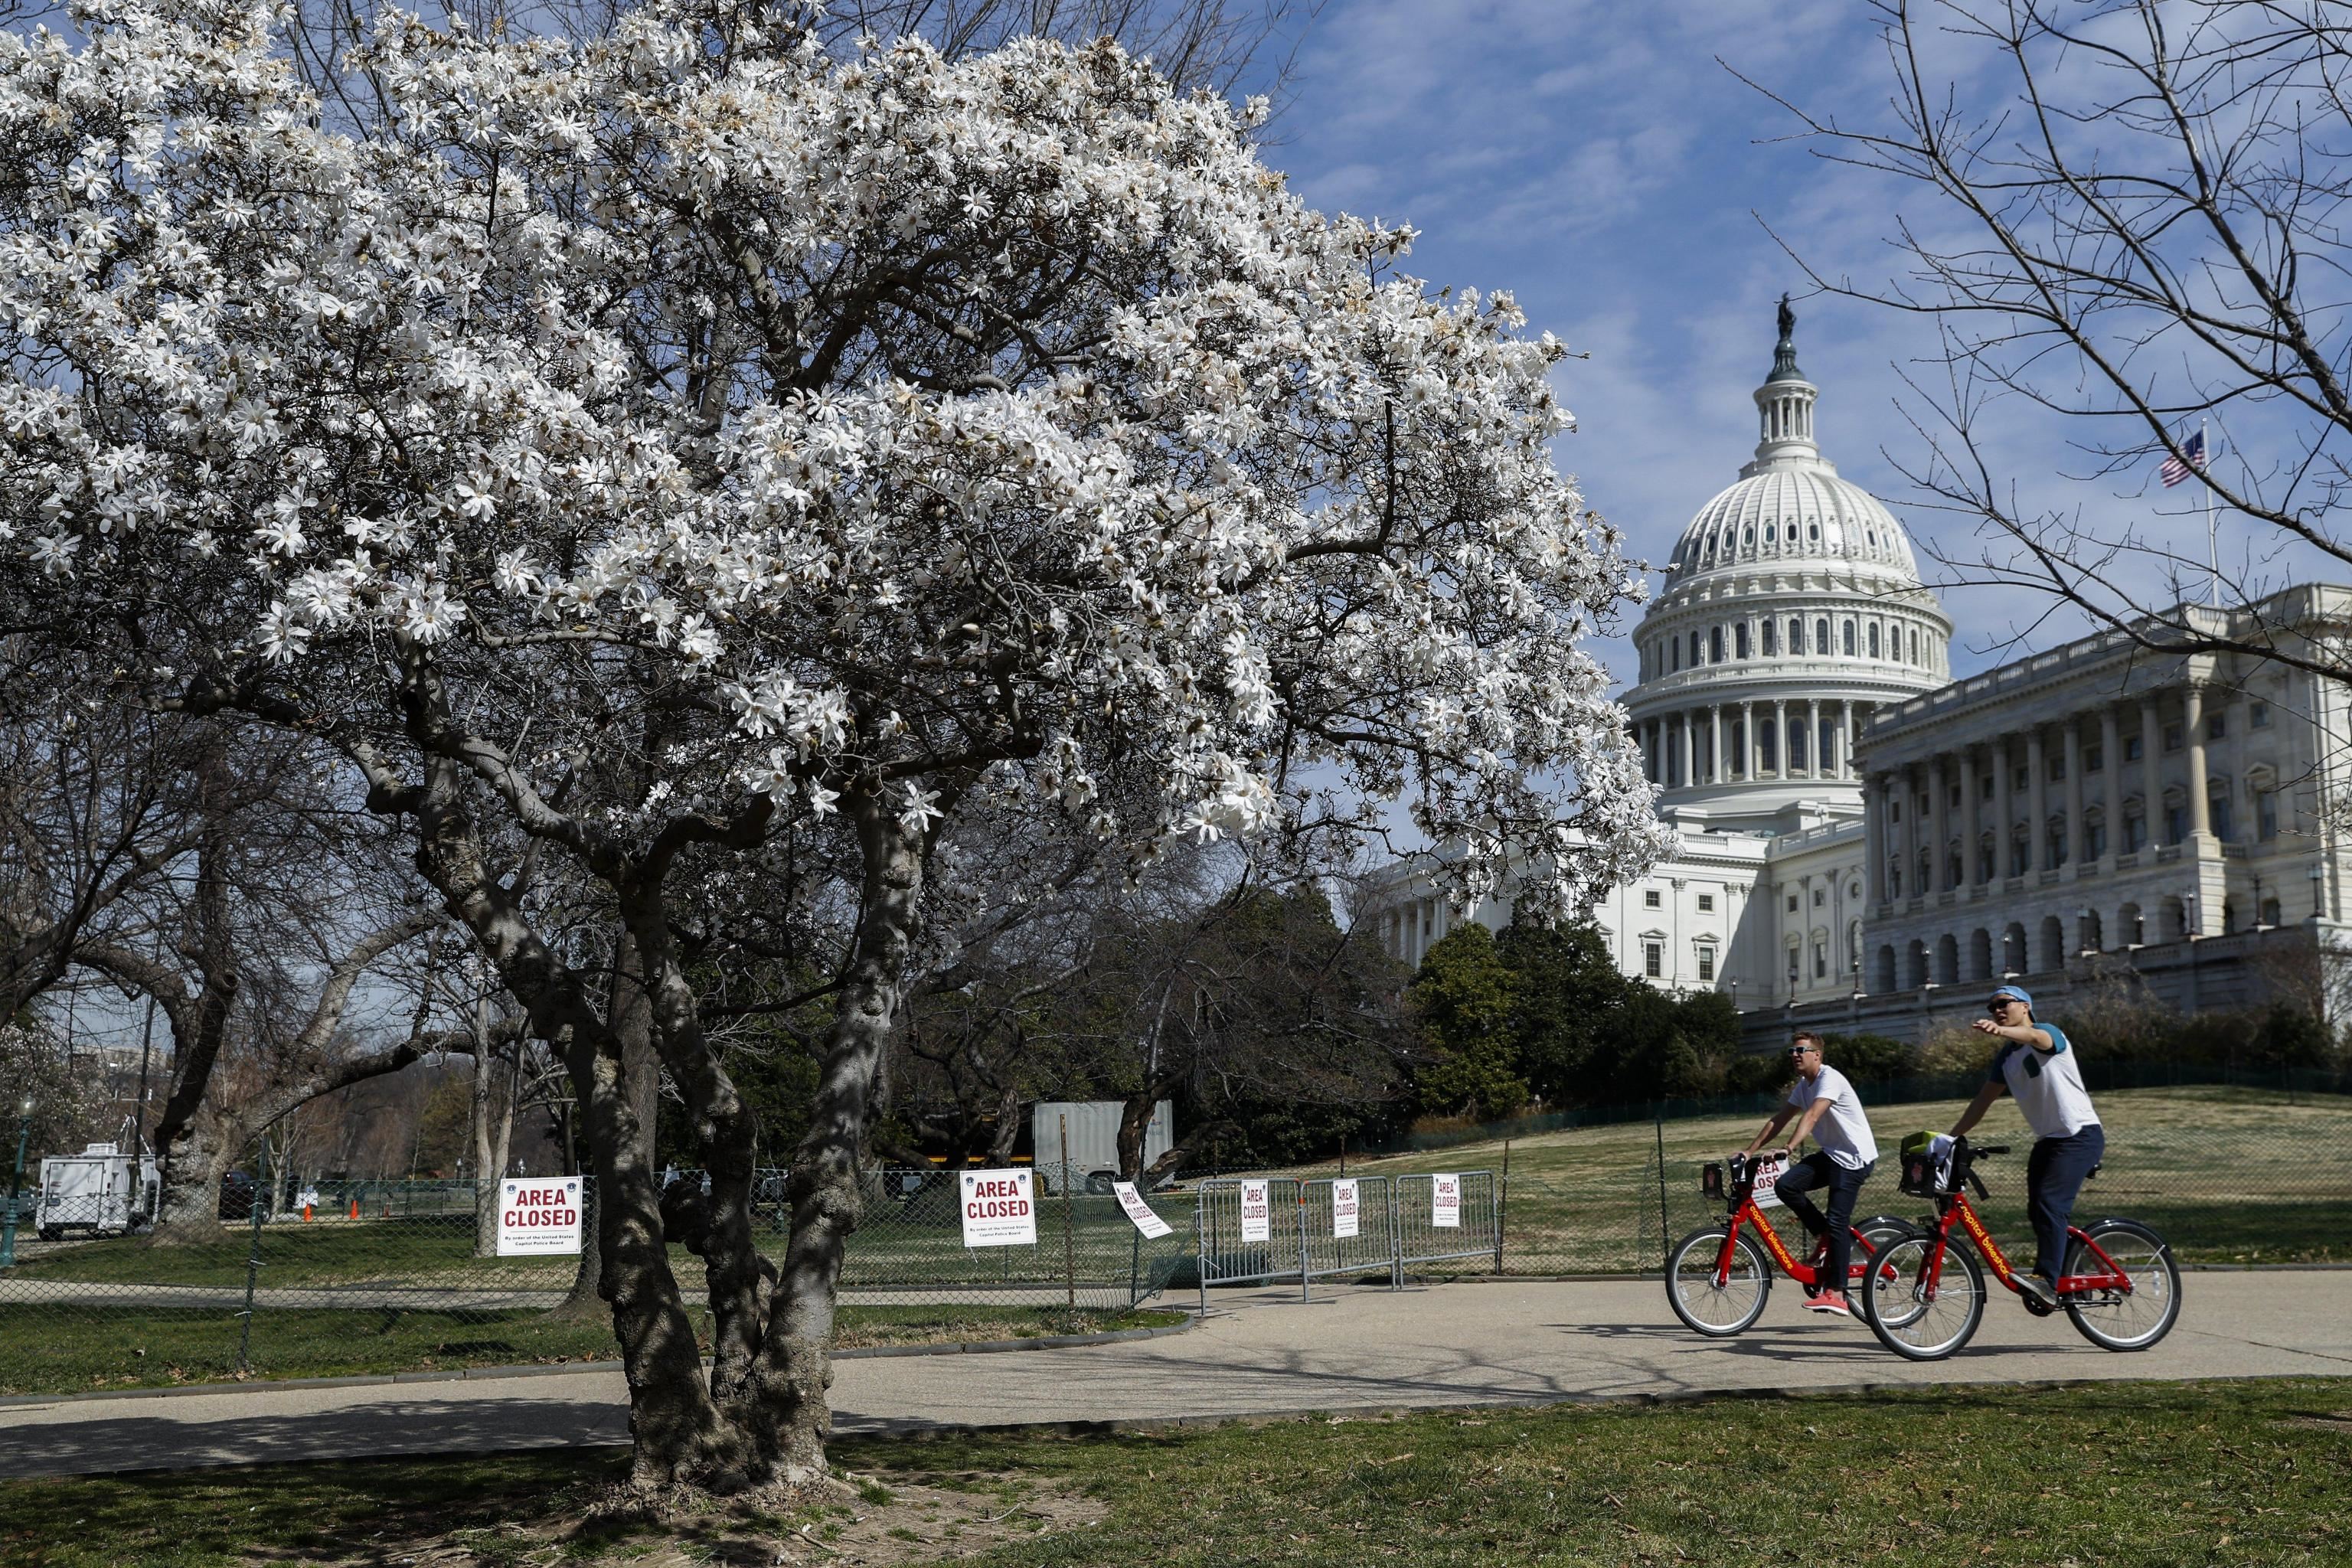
<point x="1675" y="644"/>
<point x="1696" y="651"/>
<point x="1980" y="954"/>
<point x="1771" y="638"/>
<point x="1914" y="645"/>
<point x="1956" y="866"/>
<point x="1874" y="640"/>
<point x="2053" y="838"/>
<point x="1739" y="638"/>
<point x="1947" y="958"/>
<point x="1849" y="639"/>
<point x="1714" y="646"/>
<point x="1822" y="635"/>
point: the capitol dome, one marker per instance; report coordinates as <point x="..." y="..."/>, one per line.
<point x="1791" y="610"/>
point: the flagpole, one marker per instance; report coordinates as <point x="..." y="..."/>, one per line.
<point x="2212" y="544"/>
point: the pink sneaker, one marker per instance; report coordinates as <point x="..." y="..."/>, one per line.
<point x="1834" y="1302"/>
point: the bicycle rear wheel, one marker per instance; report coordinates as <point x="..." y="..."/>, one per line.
<point x="2120" y="1320"/>
<point x="1916" y="1321"/>
<point x="1706" y="1306"/>
<point x="1877" y="1233"/>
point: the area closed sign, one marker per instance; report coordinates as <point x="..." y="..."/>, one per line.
<point x="539" y="1214"/>
<point x="1257" y="1212"/>
<point x="1000" y="1208"/>
<point x="1445" y="1202"/>
<point x="1145" y="1221"/>
<point x="1344" y="1216"/>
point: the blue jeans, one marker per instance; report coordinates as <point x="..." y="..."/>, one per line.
<point x="2053" y="1175"/>
<point x="1817" y="1169"/>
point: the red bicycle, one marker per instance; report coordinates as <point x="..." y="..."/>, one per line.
<point x="1719" y="1277"/>
<point x="2119" y="1285"/>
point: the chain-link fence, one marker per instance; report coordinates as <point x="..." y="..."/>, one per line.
<point x="342" y="1278"/>
<point x="402" y="1277"/>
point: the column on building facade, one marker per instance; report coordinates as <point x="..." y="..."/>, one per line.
<point x="1845" y="740"/>
<point x="1690" y="749"/>
<point x="2111" y="758"/>
<point x="1874" y="833"/>
<point x="1814" y="750"/>
<point x="1751" y="748"/>
<point x="2037" y="802"/>
<point x="2004" y="805"/>
<point x="2073" y="735"/>
<point x="2193" y="740"/>
<point x="1714" y="744"/>
<point x="2151" y="786"/>
<point x="1939" y="818"/>
<point x="1780" y="737"/>
<point x="1908" y="783"/>
<point x="1971" y="818"/>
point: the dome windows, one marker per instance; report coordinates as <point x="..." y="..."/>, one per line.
<point x="1813" y="533"/>
<point x="1767" y="533"/>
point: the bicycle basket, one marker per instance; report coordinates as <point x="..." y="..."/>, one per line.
<point x="1710" y="1180"/>
<point x="1919" y="1174"/>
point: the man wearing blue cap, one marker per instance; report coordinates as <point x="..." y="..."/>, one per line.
<point x="2036" y="1066"/>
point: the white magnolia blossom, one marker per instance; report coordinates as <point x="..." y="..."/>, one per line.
<point x="1134" y="463"/>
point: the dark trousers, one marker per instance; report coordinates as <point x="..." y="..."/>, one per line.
<point x="1817" y="1169"/>
<point x="2053" y="1175"/>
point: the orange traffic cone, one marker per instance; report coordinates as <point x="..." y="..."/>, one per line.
<point x="355" y="1208"/>
<point x="306" y="1214"/>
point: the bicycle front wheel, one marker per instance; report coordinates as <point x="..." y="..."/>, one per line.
<point x="2119" y="1320"/>
<point x="1917" y="1318"/>
<point x="1716" y="1308"/>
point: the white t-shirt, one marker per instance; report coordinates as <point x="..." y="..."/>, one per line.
<point x="2048" y="1085"/>
<point x="1843" y="1131"/>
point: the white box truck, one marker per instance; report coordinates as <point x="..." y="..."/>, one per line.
<point x="1094" y="1140"/>
<point x="101" y="1190"/>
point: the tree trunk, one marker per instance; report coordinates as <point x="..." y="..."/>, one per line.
<point x="493" y="1128"/>
<point x="629" y="1017"/>
<point x="1008" y="1127"/>
<point x="188" y="1173"/>
<point x="797" y="1355"/>
<point x="1134" y="1122"/>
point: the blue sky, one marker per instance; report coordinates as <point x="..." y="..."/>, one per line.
<point x="1597" y="160"/>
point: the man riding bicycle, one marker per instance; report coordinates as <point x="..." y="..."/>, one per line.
<point x="1829" y="1113"/>
<point x="2036" y="1066"/>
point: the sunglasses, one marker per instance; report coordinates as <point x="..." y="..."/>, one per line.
<point x="1803" y="1050"/>
<point x="1998" y="1003"/>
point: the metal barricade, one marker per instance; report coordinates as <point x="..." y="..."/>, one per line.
<point x="1371" y="1250"/>
<point x="1418" y="1239"/>
<point x="1224" y="1257"/>
<point x="1395" y="1227"/>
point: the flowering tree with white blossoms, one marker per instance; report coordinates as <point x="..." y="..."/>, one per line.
<point x="681" y="454"/>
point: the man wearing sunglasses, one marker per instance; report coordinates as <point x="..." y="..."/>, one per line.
<point x="1829" y="1113"/>
<point x="2035" y="1066"/>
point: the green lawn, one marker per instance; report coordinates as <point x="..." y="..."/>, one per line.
<point x="2121" y="1476"/>
<point x="49" y="1352"/>
<point x="2227" y="1176"/>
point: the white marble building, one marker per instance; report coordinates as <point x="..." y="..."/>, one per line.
<point x="1858" y="831"/>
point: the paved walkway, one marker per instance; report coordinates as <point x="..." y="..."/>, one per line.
<point x="1262" y="1353"/>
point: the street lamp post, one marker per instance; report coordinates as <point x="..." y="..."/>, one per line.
<point x="17" y="1184"/>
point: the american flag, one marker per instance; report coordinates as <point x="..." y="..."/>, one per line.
<point x="2192" y="456"/>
